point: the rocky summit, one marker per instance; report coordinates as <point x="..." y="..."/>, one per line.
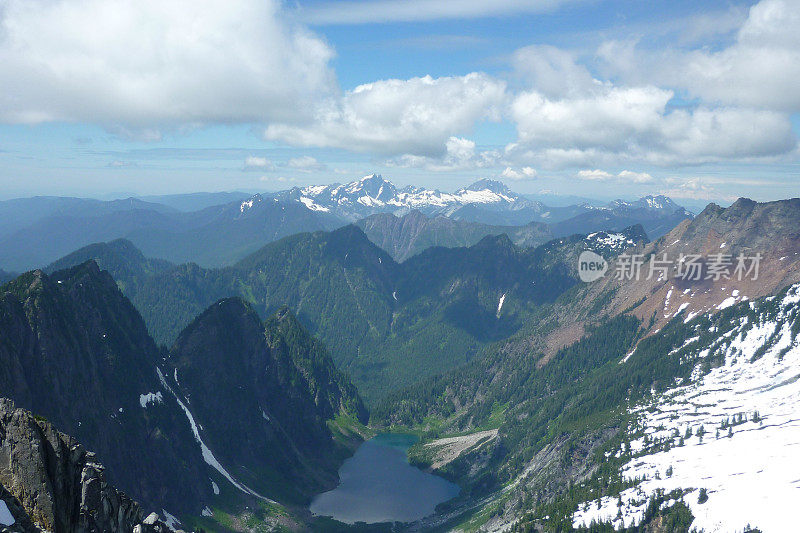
<point x="50" y="482"/>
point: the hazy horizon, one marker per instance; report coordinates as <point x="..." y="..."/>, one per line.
<point x="598" y="99"/>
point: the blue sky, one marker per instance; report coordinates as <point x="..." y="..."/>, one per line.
<point x="597" y="98"/>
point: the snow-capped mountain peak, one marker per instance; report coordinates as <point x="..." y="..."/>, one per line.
<point x="373" y="186"/>
<point x="497" y="187"/>
<point x="373" y="194"/>
<point x="250" y="202"/>
<point x="650" y="202"/>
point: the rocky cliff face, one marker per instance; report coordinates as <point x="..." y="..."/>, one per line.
<point x="237" y="403"/>
<point x="262" y="395"/>
<point x="76" y="352"/>
<point x="50" y="482"/>
<point x="747" y="228"/>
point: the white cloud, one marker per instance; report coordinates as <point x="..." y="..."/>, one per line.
<point x="521" y="174"/>
<point x="635" y="177"/>
<point x="258" y="163"/>
<point x="395" y="117"/>
<point x="760" y="69"/>
<point x="623" y="176"/>
<point x="568" y="118"/>
<point x="618" y="124"/>
<point x="460" y="154"/>
<point x="305" y="163"/>
<point x="595" y="175"/>
<point x="694" y="188"/>
<point x="552" y="71"/>
<point x="362" y="12"/>
<point x="140" y="65"/>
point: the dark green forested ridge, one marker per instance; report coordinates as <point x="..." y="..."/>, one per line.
<point x="264" y="394"/>
<point x="126" y="263"/>
<point x="387" y="324"/>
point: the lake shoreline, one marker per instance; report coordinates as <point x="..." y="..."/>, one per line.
<point x="379" y="485"/>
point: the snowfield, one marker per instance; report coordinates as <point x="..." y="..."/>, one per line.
<point x="734" y="431"/>
<point x="208" y="455"/>
<point x="150" y="397"/>
<point x="6" y="519"/>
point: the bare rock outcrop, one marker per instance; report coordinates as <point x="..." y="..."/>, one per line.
<point x="50" y="482"/>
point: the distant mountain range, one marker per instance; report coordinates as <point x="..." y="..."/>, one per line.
<point x="213" y="236"/>
<point x="410" y="234"/>
<point x="193" y="228"/>
<point x="485" y="201"/>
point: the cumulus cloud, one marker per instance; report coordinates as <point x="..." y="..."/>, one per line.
<point x="140" y="65"/>
<point x="595" y="175"/>
<point x="258" y="163"/>
<point x="759" y="69"/>
<point x="518" y="174"/>
<point x="552" y="71"/>
<point x="460" y="154"/>
<point x="694" y="188"/>
<point x="636" y="124"/>
<point x="396" y="117"/>
<point x="635" y="177"/>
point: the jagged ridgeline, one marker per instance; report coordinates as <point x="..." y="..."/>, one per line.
<point x="387" y="324"/>
<point x="76" y="352"/>
<point x="219" y="229"/>
<point x="238" y="411"/>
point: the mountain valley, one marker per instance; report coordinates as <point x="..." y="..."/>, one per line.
<point x="553" y="404"/>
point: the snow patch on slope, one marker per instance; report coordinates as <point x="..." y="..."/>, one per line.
<point x="734" y="432"/>
<point x="150" y="397"/>
<point x="170" y="519"/>
<point x="309" y="203"/>
<point x="6" y="519"/>
<point x="208" y="456"/>
<point x="500" y="304"/>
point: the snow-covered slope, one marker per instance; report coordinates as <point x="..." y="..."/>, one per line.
<point x="732" y="433"/>
<point x="611" y="243"/>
